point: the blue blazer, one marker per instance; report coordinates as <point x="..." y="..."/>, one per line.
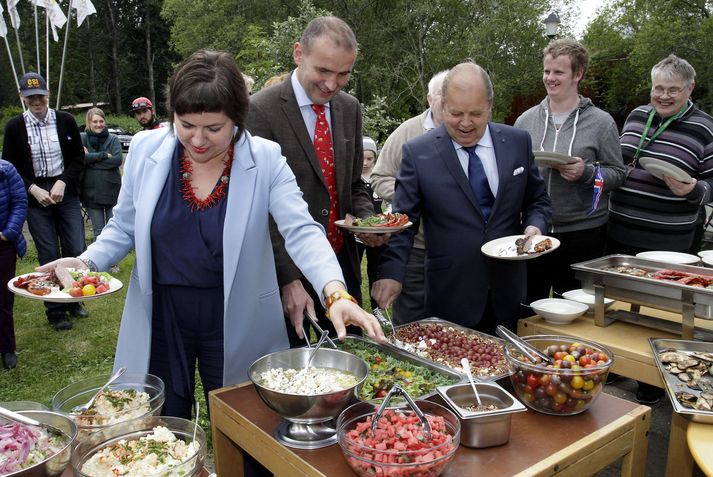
<point x="261" y="184"/>
<point x="432" y="186"/>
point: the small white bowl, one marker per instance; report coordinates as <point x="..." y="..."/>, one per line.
<point x="587" y="298"/>
<point x="706" y="253"/>
<point x="558" y="311"/>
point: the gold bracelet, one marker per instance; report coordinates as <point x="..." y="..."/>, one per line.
<point x="337" y="295"/>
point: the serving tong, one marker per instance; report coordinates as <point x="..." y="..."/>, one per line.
<point x="387" y="324"/>
<point x="397" y="390"/>
<point x="535" y="355"/>
<point x="319" y="331"/>
<point x="17" y="417"/>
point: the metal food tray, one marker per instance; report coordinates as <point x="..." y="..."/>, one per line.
<point x="672" y="383"/>
<point x="661" y="294"/>
<point x="439" y="321"/>
<point x="413" y="359"/>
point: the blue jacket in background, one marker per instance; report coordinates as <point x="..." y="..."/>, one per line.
<point x="13" y="206"/>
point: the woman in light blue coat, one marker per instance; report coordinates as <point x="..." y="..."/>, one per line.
<point x="195" y="204"/>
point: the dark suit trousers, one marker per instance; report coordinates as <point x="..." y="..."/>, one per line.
<point x="353" y="287"/>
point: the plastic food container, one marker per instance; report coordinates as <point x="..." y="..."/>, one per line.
<point x="568" y="389"/>
<point x="486" y="428"/>
<point x="80" y="392"/>
<point x="426" y="461"/>
<point x="134" y="429"/>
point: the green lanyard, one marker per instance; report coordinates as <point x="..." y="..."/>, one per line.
<point x="658" y="132"/>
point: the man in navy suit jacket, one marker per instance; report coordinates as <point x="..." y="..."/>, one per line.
<point x="463" y="285"/>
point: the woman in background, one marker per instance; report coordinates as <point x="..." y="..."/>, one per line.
<point x="13" y="210"/>
<point x="102" y="179"/>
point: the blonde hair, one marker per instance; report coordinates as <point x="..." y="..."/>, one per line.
<point x="93" y="112"/>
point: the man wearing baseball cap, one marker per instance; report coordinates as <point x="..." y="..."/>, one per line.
<point x="142" y="108"/>
<point x="45" y="147"/>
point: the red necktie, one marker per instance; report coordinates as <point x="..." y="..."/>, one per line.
<point x="325" y="154"/>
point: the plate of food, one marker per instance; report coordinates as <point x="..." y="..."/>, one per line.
<point x="64" y="285"/>
<point x="659" y="168"/>
<point x="376" y="224"/>
<point x="549" y="159"/>
<point x="520" y="247"/>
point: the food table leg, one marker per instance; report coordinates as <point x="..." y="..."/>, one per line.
<point x="634" y="463"/>
<point x="680" y="460"/>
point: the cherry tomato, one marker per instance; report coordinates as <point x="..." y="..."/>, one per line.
<point x="533" y="381"/>
<point x="577" y="382"/>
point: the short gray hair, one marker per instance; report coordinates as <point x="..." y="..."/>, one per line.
<point x="334" y="28"/>
<point x="673" y="68"/>
<point x="436" y="83"/>
<point x="474" y="68"/>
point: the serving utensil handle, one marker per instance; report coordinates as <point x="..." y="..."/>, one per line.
<point x="318" y="329"/>
<point x="528" y="350"/>
<point x="397" y="390"/>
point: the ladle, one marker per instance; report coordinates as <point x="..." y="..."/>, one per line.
<point x="466" y="367"/>
<point x="81" y="408"/>
<point x="312" y="353"/>
<point x="17" y="417"/>
<point x="526" y="348"/>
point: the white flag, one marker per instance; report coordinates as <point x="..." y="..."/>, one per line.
<point x="3" y="26"/>
<point x="84" y="9"/>
<point x="14" y="16"/>
<point x="54" y="13"/>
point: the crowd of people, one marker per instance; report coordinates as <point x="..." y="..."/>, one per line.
<point x="254" y="185"/>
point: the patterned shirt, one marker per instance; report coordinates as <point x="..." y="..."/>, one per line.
<point x="44" y="143"/>
<point x="644" y="212"/>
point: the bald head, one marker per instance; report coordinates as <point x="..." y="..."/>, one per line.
<point x="467" y="103"/>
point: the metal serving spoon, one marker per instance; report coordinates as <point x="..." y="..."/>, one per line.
<point x="83" y="407"/>
<point x="526" y="348"/>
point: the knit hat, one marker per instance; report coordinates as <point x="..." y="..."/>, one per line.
<point x="370" y="145"/>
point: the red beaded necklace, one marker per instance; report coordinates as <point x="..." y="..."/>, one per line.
<point x="218" y="192"/>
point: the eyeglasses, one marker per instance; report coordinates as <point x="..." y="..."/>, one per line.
<point x="659" y="91"/>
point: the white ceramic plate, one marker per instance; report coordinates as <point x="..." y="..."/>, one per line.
<point x="549" y="159"/>
<point x="705" y="253"/>
<point x="670" y="257"/>
<point x="58" y="296"/>
<point x="583" y="297"/>
<point x="372" y="230"/>
<point x="659" y="168"/>
<point x="505" y="249"/>
<point x="558" y="311"/>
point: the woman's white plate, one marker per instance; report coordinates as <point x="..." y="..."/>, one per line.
<point x="659" y="168"/>
<point x="706" y="253"/>
<point x="505" y="248"/>
<point x="670" y="257"/>
<point x="549" y="159"/>
<point x="372" y="230"/>
<point x="58" y="296"/>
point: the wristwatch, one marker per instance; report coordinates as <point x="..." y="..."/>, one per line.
<point x="337" y="295"/>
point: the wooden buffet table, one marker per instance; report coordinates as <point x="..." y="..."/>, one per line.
<point x="633" y="358"/>
<point x="539" y="444"/>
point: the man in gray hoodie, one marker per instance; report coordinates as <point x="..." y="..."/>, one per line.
<point x="567" y="123"/>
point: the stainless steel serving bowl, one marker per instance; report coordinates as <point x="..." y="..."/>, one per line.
<point x="55" y="465"/>
<point x="308" y="409"/>
<point x="134" y="429"/>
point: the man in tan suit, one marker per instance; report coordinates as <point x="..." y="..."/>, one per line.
<point x="292" y="114"/>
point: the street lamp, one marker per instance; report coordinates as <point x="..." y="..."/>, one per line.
<point x="552" y="24"/>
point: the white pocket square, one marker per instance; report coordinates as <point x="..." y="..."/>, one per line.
<point x="518" y="171"/>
